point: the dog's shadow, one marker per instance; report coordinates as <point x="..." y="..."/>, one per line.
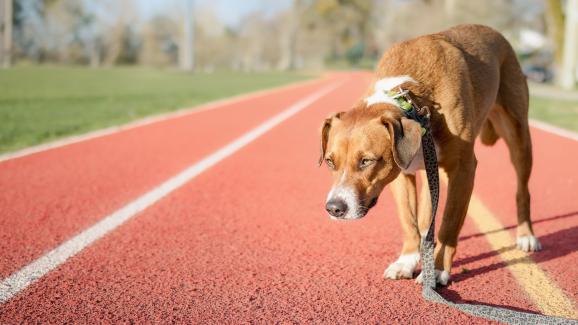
<point x="556" y="245"/>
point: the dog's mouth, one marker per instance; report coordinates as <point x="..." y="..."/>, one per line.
<point x="365" y="208"/>
<point x="372" y="203"/>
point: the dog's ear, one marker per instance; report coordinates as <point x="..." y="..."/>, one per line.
<point x="406" y="139"/>
<point x="325" y="134"/>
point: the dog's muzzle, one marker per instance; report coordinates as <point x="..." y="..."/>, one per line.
<point x="340" y="208"/>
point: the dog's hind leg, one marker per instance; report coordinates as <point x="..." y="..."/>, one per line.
<point x="516" y="134"/>
<point x="510" y="120"/>
<point x="404" y="192"/>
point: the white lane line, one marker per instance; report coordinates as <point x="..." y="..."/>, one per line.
<point x="21" y="279"/>
<point x="554" y="130"/>
<point x="150" y="120"/>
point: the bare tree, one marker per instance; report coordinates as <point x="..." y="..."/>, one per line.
<point x="562" y="28"/>
<point x="159" y="42"/>
<point x="570" y="52"/>
<point x="187" y="51"/>
<point x="114" y="37"/>
<point x="555" y="20"/>
<point x="2" y="18"/>
<point x="216" y="45"/>
<point x="6" y="50"/>
<point x="290" y="24"/>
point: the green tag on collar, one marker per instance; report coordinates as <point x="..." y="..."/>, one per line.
<point x="405" y="105"/>
<point x="402" y="102"/>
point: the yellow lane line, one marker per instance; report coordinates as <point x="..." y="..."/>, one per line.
<point x="544" y="292"/>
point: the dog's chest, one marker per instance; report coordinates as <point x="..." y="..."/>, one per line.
<point x="417" y="162"/>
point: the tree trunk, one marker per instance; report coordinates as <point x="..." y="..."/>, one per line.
<point x="7" y="34"/>
<point x="187" y="48"/>
<point x="570" y="54"/>
<point x="555" y="26"/>
<point x="115" y="46"/>
<point x="1" y="32"/>
<point x="289" y="41"/>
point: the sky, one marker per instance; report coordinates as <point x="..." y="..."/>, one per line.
<point x="229" y="11"/>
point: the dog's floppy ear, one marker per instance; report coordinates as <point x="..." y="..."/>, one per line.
<point x="406" y="139"/>
<point x="325" y="134"/>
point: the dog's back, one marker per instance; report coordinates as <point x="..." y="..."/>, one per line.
<point x="491" y="59"/>
<point x="469" y="70"/>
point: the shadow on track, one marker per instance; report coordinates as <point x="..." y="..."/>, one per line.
<point x="556" y="245"/>
<point x="534" y="222"/>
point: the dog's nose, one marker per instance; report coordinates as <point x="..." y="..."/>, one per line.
<point x="336" y="207"/>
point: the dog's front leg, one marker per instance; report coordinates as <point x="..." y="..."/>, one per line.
<point x="460" y="187"/>
<point x="404" y="193"/>
<point x="424" y="206"/>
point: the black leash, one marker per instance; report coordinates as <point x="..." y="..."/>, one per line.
<point x="428" y="242"/>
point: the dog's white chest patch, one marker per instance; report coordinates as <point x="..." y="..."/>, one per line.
<point x="383" y="86"/>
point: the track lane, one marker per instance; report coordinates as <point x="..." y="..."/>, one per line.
<point x="49" y="196"/>
<point x="216" y="250"/>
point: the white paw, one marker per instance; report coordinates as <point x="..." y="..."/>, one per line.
<point x="528" y="244"/>
<point x="402" y="268"/>
<point x="442" y="277"/>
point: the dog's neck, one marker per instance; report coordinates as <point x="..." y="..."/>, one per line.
<point x="393" y="91"/>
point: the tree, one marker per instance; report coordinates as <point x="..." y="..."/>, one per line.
<point x="349" y="22"/>
<point x="570" y="49"/>
<point x="6" y="31"/>
<point x="563" y="31"/>
<point x="187" y="48"/>
<point x="555" y="21"/>
<point x="290" y="24"/>
<point x="117" y="38"/>
<point x="254" y="41"/>
<point x="216" y="44"/>
<point x="159" y="42"/>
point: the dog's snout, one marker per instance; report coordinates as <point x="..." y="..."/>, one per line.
<point x="336" y="207"/>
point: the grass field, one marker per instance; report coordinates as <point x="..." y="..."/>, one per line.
<point x="39" y="104"/>
<point x="562" y="113"/>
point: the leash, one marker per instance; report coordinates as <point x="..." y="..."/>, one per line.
<point x="422" y="115"/>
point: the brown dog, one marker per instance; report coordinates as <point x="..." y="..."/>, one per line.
<point x="471" y="81"/>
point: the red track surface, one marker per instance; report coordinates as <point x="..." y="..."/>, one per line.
<point x="248" y="240"/>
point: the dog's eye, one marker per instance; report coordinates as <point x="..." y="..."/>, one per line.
<point x="365" y="162"/>
<point x="330" y="163"/>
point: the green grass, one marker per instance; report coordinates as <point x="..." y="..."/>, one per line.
<point x="562" y="113"/>
<point x="39" y="104"/>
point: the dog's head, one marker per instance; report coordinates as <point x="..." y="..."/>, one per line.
<point x="365" y="148"/>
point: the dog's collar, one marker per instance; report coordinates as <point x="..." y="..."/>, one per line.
<point x="384" y="93"/>
<point x="410" y="109"/>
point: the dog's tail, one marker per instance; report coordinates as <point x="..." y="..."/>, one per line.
<point x="488" y="134"/>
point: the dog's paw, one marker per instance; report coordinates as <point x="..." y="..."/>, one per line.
<point x="442" y="277"/>
<point x="528" y="243"/>
<point x="402" y="268"/>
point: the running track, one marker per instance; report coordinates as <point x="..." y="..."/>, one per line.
<point x="246" y="238"/>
